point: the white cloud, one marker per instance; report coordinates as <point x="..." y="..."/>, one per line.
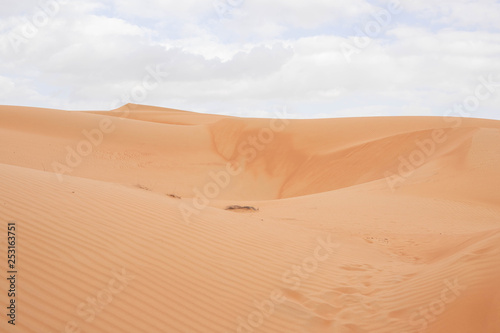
<point x="305" y="14"/>
<point x="190" y="10"/>
<point x="99" y="26"/>
<point x="259" y="56"/>
<point x="461" y="13"/>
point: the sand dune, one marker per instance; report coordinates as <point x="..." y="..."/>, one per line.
<point x="352" y="225"/>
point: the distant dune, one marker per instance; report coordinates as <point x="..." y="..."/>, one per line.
<point x="146" y="219"/>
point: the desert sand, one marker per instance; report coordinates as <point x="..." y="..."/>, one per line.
<point x="351" y="225"/>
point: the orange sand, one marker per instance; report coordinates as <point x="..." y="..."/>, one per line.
<point x="360" y="225"/>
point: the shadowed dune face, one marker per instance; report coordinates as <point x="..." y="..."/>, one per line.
<point x="158" y="220"/>
<point x="281" y="159"/>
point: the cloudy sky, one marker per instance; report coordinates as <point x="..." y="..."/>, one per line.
<point x="316" y="58"/>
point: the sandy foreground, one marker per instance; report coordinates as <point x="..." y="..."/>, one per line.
<point x="157" y="220"/>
